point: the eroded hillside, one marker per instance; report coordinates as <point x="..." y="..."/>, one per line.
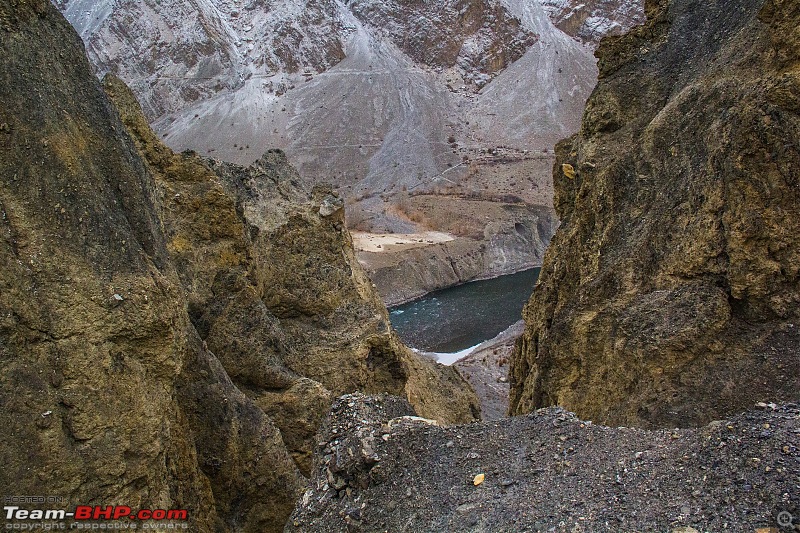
<point x="444" y="102"/>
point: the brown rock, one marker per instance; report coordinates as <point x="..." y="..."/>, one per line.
<point x="274" y="288"/>
<point x="94" y="331"/>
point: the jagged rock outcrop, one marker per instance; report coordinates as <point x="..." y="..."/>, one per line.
<point x="670" y="295"/>
<point x="379" y="469"/>
<point x="274" y="288"/>
<point x="479" y="38"/>
<point x="108" y="394"/>
<point x="164" y="317"/>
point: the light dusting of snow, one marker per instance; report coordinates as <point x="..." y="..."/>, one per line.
<point x="364" y="93"/>
<point x="592" y="20"/>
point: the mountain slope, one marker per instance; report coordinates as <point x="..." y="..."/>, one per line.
<point x="176" y="52"/>
<point x="382" y="118"/>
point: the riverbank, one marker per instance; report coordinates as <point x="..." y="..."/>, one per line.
<point x="485" y="367"/>
<point x="405" y="267"/>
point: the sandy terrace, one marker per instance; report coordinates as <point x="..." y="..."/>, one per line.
<point x="396" y="242"/>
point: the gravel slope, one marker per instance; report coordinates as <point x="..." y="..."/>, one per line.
<point x="548" y="471"/>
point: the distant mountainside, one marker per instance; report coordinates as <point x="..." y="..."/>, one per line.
<point x="378" y="96"/>
<point x="591" y="20"/>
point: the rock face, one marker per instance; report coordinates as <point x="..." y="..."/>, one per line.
<point x="274" y="288"/>
<point x="377" y="469"/>
<point x="479" y="38"/>
<point x="177" y="52"/>
<point x="173" y="329"/>
<point x="108" y="394"/>
<point x="669" y="295"/>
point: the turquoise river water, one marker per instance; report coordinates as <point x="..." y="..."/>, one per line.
<point x="456" y="318"/>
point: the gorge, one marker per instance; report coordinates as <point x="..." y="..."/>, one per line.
<point x="186" y="332"/>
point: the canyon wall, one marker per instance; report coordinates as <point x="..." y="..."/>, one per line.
<point x="172" y="329"/>
<point x="669" y="295"/>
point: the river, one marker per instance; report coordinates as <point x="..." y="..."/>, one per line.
<point x="456" y="318"/>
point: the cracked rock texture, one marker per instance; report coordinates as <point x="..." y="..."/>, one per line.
<point x="669" y="295"/>
<point x="172" y="329"/>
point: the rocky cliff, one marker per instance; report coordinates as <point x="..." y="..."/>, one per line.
<point x="509" y="238"/>
<point x="669" y="295"/>
<point x="173" y="329"/>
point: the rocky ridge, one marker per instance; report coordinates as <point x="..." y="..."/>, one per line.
<point x="174" y="53"/>
<point x="165" y="317"/>
<point x="380" y="468"/>
<point x="669" y="295"/>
